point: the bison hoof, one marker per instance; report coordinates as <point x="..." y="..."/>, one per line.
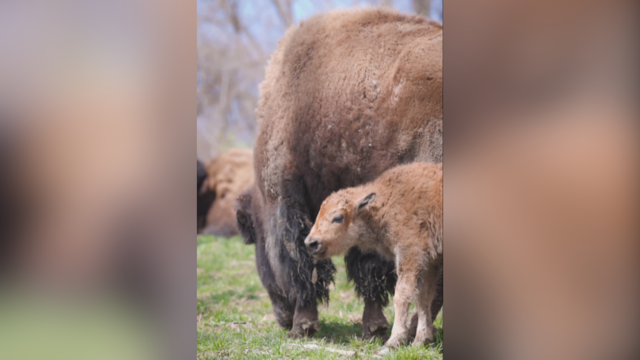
<point x="375" y="328"/>
<point x="304" y="328"/>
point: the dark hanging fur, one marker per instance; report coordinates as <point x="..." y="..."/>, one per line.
<point x="373" y="276"/>
<point x="293" y="228"/>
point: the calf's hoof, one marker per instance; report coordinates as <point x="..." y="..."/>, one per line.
<point x="417" y="342"/>
<point x="303" y="328"/>
<point x="394" y="342"/>
<point x="425" y="337"/>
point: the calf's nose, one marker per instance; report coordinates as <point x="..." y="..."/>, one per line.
<point x="313" y="245"/>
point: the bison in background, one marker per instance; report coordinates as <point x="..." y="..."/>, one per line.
<point x="205" y="198"/>
<point x="346" y="96"/>
<point x="228" y="175"/>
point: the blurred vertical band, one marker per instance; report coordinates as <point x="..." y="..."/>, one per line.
<point x="541" y="179"/>
<point x="96" y="152"/>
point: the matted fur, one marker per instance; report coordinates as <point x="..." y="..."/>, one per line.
<point x="347" y="95"/>
<point x="228" y="176"/>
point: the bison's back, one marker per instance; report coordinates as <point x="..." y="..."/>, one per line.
<point x="347" y="95"/>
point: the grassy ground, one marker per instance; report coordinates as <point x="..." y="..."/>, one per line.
<point x="235" y="320"/>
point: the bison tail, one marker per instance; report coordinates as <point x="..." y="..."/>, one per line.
<point x="243" y="217"/>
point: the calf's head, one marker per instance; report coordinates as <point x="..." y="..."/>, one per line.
<point x="339" y="225"/>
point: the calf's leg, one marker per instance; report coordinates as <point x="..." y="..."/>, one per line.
<point x="436" y="304"/>
<point x="427" y="290"/>
<point x="402" y="300"/>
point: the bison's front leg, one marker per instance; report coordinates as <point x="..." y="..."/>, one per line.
<point x="374" y="323"/>
<point x="374" y="279"/>
<point x="305" y="320"/>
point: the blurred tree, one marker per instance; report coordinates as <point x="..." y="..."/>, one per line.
<point x="285" y="11"/>
<point x="422" y="7"/>
<point x="235" y="39"/>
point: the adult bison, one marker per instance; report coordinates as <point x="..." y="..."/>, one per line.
<point x="346" y="96"/>
<point x="228" y="175"/>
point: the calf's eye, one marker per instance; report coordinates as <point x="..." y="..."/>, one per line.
<point x="338" y="219"/>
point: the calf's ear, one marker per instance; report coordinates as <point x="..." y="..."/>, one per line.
<point x="365" y="201"/>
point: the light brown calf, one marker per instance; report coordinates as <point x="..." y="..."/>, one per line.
<point x="399" y="215"/>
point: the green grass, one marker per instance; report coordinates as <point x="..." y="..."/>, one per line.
<point x="235" y="319"/>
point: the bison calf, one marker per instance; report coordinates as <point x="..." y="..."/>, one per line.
<point x="399" y="216"/>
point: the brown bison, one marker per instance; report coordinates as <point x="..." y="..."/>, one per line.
<point x="228" y="175"/>
<point x="399" y="216"/>
<point x="346" y="96"/>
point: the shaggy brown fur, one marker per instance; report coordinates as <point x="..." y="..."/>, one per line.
<point x="399" y="216"/>
<point x="346" y="96"/>
<point x="228" y="176"/>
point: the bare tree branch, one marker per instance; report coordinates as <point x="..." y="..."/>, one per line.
<point x="232" y="56"/>
<point x="285" y="13"/>
<point x="422" y="7"/>
<point x="240" y="28"/>
<point x="387" y="3"/>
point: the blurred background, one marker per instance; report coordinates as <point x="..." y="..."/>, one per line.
<point x="96" y="162"/>
<point x="95" y="103"/>
<point x="235" y="40"/>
